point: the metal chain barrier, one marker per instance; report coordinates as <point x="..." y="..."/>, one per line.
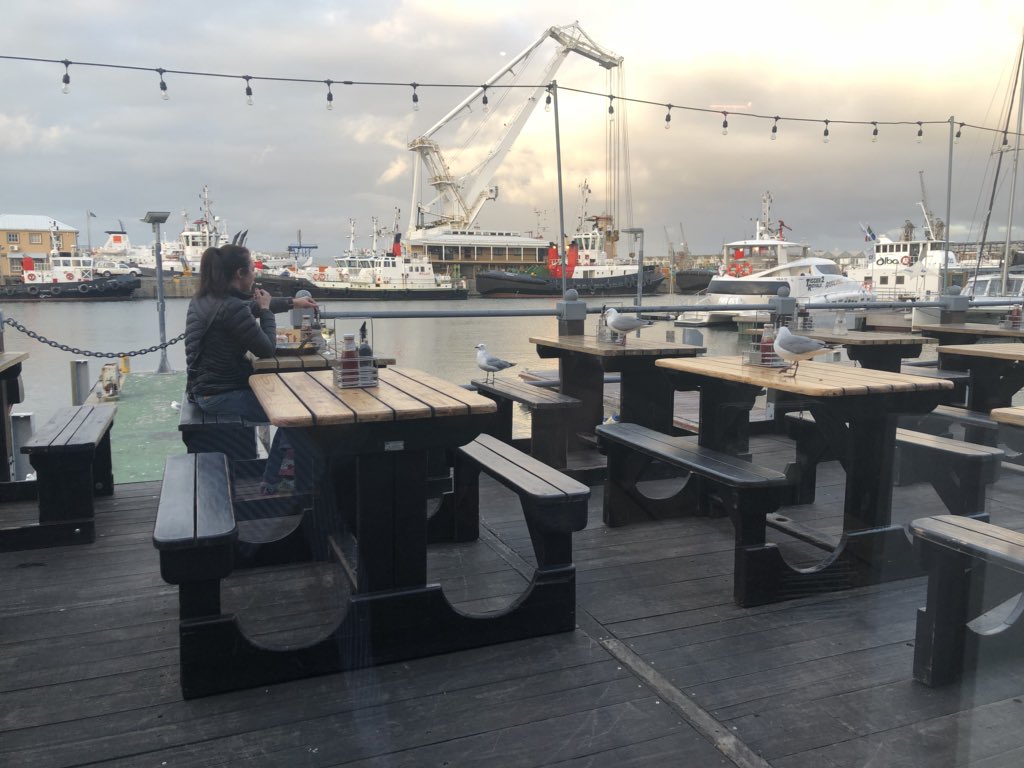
<point x="76" y="351"/>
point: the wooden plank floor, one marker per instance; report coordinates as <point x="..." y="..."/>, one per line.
<point x="663" y="668"/>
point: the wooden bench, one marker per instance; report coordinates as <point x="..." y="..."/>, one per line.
<point x="958" y="471"/>
<point x="209" y="433"/>
<point x="549" y="426"/>
<point x="195" y="533"/>
<point x="718" y="483"/>
<point x="554" y="504"/>
<point x="70" y="454"/>
<point x="978" y="426"/>
<point x="972" y="566"/>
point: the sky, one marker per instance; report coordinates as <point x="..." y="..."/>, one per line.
<point x="286" y="164"/>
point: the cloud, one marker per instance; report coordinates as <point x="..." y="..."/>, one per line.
<point x="19" y="133"/>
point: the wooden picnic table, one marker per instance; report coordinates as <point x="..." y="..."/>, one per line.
<point x="965" y="333"/>
<point x="10" y="393"/>
<point x="1014" y="415"/>
<point x="997" y="372"/>
<point x="876" y="349"/>
<point x="310" y="361"/>
<point x="856" y="409"/>
<point x="646" y="396"/>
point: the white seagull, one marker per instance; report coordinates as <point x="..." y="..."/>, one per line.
<point x="795" y="348"/>
<point x="488" y="363"/>
<point x="623" y="323"/>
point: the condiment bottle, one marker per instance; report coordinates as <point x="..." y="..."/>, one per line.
<point x="348" y="365"/>
<point x="365" y="353"/>
<point x="306" y="332"/>
<point x="1015" y="317"/>
<point x="767" y="347"/>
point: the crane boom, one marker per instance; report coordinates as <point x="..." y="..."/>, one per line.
<point x="461" y="199"/>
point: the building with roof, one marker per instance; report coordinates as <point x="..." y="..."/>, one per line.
<point x="32" y="236"/>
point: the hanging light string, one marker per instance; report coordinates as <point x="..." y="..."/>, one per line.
<point x="667" y="106"/>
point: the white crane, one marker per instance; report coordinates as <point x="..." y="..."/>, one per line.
<point x="459" y="200"/>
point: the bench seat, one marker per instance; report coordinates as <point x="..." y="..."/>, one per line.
<point x="209" y="433"/>
<point x="971" y="566"/>
<point x="548" y="422"/>
<point x="957" y="470"/>
<point x="718" y="482"/>
<point x="71" y="456"/>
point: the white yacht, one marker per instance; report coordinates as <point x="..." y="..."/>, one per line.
<point x="753" y="270"/>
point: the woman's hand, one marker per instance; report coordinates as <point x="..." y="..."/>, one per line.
<point x="262" y="298"/>
<point x="304" y="302"/>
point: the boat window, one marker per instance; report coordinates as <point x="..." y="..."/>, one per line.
<point x="829" y="269"/>
<point x="915" y="250"/>
<point x="883" y="279"/>
<point x="900" y="280"/>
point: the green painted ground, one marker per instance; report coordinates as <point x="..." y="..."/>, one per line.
<point x="145" y="429"/>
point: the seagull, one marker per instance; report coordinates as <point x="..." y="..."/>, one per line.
<point x="488" y="363"/>
<point x="175" y="405"/>
<point x="795" y="348"/>
<point x="623" y="323"/>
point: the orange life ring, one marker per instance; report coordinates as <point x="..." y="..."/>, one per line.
<point x="69" y="276"/>
<point x="737" y="269"/>
<point x="318" y="276"/>
<point x="748" y="269"/>
<point x="905" y="261"/>
<point x="31" y="275"/>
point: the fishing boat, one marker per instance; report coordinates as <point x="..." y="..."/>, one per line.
<point x="753" y="270"/>
<point x="369" y="274"/>
<point x="590" y="270"/>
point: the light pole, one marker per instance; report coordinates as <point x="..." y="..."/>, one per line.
<point x="156" y="218"/>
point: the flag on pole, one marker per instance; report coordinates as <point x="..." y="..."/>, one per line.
<point x="91" y="214"/>
<point x="869" y="235"/>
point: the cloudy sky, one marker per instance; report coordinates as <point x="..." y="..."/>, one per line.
<point x="285" y="164"/>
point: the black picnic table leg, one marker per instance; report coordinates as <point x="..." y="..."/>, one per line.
<point x="725" y="416"/>
<point x="647" y="397"/>
<point x="582" y="377"/>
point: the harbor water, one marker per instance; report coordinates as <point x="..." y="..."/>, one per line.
<point x="145" y="430"/>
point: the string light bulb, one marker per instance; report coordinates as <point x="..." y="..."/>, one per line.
<point x="874" y="132"/>
<point x="1005" y="142"/>
<point x="415" y="98"/>
<point x="611" y="109"/>
<point x="956" y="139"/>
<point x="725" y="123"/>
<point x="163" y="86"/>
<point x="248" y="90"/>
<point x="920" y="132"/>
<point x="67" y="76"/>
<point x="484" y="100"/>
<point x="668" y="117"/>
<point x="824" y="136"/>
<point x="775" y="129"/>
<point x="547" y="100"/>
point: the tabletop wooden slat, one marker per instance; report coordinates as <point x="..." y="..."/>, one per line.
<point x="288" y="410"/>
<point x="1009" y="351"/>
<point x="363" y="403"/>
<point x="970" y="329"/>
<point x="633" y="346"/>
<point x="437" y="392"/>
<point x="404" y="405"/>
<point x="316" y="390"/>
<point x="1013" y="416"/>
<point x="869" y="338"/>
<point x="312" y="361"/>
<point x="7" y="359"/>
<point x="812" y="379"/>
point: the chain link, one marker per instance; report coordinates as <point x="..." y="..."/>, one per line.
<point x="76" y="351"/>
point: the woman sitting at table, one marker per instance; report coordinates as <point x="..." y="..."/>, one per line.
<point x="227" y="318"/>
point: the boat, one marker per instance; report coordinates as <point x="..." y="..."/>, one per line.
<point x="694" y="279"/>
<point x="369" y="275"/>
<point x="753" y="270"/>
<point x="65" y="276"/>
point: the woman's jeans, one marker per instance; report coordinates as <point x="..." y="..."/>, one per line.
<point x="243" y="403"/>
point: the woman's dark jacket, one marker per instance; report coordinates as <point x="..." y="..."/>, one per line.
<point x="218" y="333"/>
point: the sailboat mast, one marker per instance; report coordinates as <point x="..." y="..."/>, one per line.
<point x="1013" y="178"/>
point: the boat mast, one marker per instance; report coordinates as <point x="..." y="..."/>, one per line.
<point x="1013" y="177"/>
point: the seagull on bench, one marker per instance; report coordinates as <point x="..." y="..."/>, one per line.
<point x="488" y="363"/>
<point x="794" y="348"/>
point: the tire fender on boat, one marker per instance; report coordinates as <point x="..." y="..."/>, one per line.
<point x="55" y="290"/>
<point x="33" y="289"/>
<point x="83" y="287"/>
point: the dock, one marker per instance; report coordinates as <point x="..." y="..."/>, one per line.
<point x="662" y="669"/>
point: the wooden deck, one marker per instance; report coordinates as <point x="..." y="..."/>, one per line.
<point x="663" y="669"/>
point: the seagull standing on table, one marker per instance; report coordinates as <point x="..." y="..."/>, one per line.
<point x="795" y="348"/>
<point x="488" y="363"/>
<point x="623" y="323"/>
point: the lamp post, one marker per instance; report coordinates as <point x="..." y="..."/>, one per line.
<point x="156" y="218"/>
